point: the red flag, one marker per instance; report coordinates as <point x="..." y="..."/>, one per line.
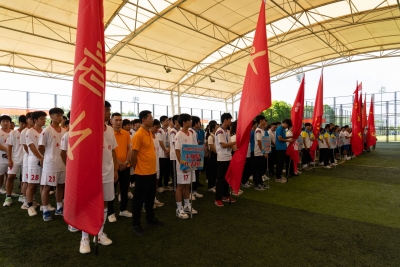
<point x="364" y="113"/>
<point x="256" y="97"/>
<point x="83" y="204"/>
<point x="317" y="115"/>
<point x="356" y="139"/>
<point x="371" y="135"/>
<point x="296" y="115"/>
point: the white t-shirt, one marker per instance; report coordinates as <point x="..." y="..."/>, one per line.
<point x="17" y="148"/>
<point x="22" y="141"/>
<point x="272" y="135"/>
<point x="162" y="136"/>
<point x="181" y="139"/>
<point x="172" y="135"/>
<point x="32" y="137"/>
<point x="223" y="136"/>
<point x="210" y="140"/>
<point x="194" y="135"/>
<point x="258" y="135"/>
<point x="50" y="138"/>
<point x="109" y="144"/>
<point x="64" y="142"/>
<point x="289" y="134"/>
<point x="157" y="150"/>
<point x="3" y="141"/>
<point x="346" y="141"/>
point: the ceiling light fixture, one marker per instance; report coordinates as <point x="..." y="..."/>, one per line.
<point x="211" y="79"/>
<point x="168" y="70"/>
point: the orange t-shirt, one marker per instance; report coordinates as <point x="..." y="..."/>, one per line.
<point x="123" y="140"/>
<point x="142" y="142"/>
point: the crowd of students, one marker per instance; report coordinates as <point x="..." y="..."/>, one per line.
<point x="145" y="154"/>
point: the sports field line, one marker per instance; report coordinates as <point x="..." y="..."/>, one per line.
<point x="373" y="166"/>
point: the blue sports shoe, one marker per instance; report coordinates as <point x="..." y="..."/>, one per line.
<point x="59" y="212"/>
<point x="46" y="216"/>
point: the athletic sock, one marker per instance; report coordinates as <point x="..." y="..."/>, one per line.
<point x="59" y="205"/>
<point x="85" y="235"/>
<point x="30" y="204"/>
<point x="105" y="218"/>
<point x="25" y="202"/>
<point x="179" y="205"/>
<point x="186" y="202"/>
<point x="45" y="208"/>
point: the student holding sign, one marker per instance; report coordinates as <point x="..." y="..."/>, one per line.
<point x="184" y="136"/>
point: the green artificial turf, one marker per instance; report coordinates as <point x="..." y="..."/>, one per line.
<point x="348" y="216"/>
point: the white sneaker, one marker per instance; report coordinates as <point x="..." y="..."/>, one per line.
<point x="169" y="182"/>
<point x="32" y="211"/>
<point x="130" y="195"/>
<point x="192" y="197"/>
<point x="212" y="190"/>
<point x="238" y="194"/>
<point x="49" y="208"/>
<point x="283" y="171"/>
<point x="333" y="164"/>
<point x="251" y="178"/>
<point x="21" y="199"/>
<point x="51" y="192"/>
<point x="335" y="161"/>
<point x="124" y="213"/>
<point x="132" y="185"/>
<point x="305" y="166"/>
<point x="112" y="218"/>
<point x="321" y="164"/>
<point x="25" y="207"/>
<point x="197" y="195"/>
<point x="180" y="213"/>
<point x="104" y="240"/>
<point x="328" y="167"/>
<point x="187" y="209"/>
<point x="85" y="246"/>
<point x="72" y="229"/>
<point x="157" y="203"/>
<point x="7" y="202"/>
<point x="168" y="188"/>
<point x="160" y="190"/>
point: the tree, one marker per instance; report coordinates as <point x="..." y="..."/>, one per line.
<point x="278" y="111"/>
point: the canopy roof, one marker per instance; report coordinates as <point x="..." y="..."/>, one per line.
<point x="199" y="40"/>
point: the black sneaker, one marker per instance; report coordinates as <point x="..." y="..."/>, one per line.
<point x="155" y="222"/>
<point x="138" y="230"/>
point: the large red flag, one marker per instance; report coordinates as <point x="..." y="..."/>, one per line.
<point x="83" y="204"/>
<point x="356" y="139"/>
<point x="256" y="97"/>
<point x="364" y="113"/>
<point x="371" y="135"/>
<point x="317" y="115"/>
<point x="296" y="115"/>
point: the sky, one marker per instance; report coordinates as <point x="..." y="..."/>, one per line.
<point x="339" y="80"/>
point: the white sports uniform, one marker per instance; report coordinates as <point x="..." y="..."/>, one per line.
<point x="163" y="136"/>
<point x="172" y="135"/>
<point x="3" y="154"/>
<point x="110" y="143"/>
<point x="181" y="139"/>
<point x="223" y="136"/>
<point x="34" y="169"/>
<point x="53" y="167"/>
<point x="22" y="141"/>
<point x="157" y="150"/>
<point x="17" y="151"/>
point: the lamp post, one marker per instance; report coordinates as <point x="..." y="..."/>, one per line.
<point x="382" y="90"/>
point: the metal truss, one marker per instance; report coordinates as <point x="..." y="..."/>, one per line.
<point x="114" y="79"/>
<point x="328" y="63"/>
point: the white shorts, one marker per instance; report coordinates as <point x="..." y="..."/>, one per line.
<point x="15" y="169"/>
<point x="3" y="169"/>
<point x="52" y="178"/>
<point x="25" y="174"/>
<point x="184" y="178"/>
<point x="34" y="175"/>
<point x="108" y="191"/>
